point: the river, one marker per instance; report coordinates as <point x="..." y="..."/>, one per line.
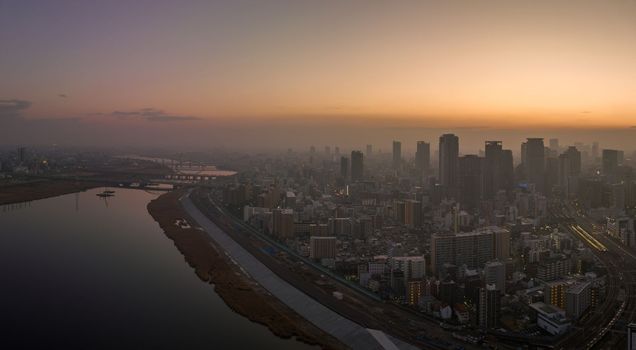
<point x="78" y="271"/>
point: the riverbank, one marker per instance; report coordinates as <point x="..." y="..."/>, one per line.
<point x="238" y="290"/>
<point x="34" y="190"/>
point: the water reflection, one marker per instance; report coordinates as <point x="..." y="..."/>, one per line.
<point x="80" y="271"/>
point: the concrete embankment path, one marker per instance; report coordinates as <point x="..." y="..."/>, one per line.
<point x="345" y="330"/>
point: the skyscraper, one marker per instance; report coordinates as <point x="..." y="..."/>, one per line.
<point x="610" y="163"/>
<point x="397" y="154"/>
<point x="412" y="213"/>
<point x="498" y="169"/>
<point x="357" y="165"/>
<point x="423" y="156"/>
<point x="369" y="150"/>
<point x="470" y="181"/>
<point x="344" y="167"/>
<point x="449" y="163"/>
<point x="535" y="163"/>
<point x="554" y="144"/>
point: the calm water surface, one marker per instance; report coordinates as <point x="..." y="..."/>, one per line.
<point x="77" y="271"/>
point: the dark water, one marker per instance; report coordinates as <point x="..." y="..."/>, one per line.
<point x="101" y="274"/>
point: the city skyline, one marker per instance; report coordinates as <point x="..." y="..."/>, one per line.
<point x="158" y="70"/>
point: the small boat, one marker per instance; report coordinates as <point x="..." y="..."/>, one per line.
<point x="106" y="193"/>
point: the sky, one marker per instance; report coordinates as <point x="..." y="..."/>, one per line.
<point x="276" y="73"/>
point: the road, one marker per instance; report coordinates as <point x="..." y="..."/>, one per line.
<point x="591" y="332"/>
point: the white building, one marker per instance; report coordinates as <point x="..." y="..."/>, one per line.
<point x="495" y="273"/>
<point x="414" y="267"/>
<point x="551" y="318"/>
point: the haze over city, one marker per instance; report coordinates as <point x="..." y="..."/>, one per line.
<point x="365" y="175"/>
<point x="246" y="73"/>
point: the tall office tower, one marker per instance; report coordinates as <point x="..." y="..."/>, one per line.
<point x="610" y="163"/>
<point x="501" y="242"/>
<point x="495" y="273"/>
<point x="551" y="172"/>
<point x="369" y="150"/>
<point x="283" y="223"/>
<point x="554" y="144"/>
<point x="337" y="151"/>
<point x="470" y="181"/>
<point x="397" y="154"/>
<point x="412" y="213"/>
<point x="357" y="165"/>
<point x="423" y="156"/>
<point x="569" y="169"/>
<point x="594" y="151"/>
<point x="535" y="163"/>
<point x="449" y="163"/>
<point x="344" y="167"/>
<point x="507" y="170"/>
<point x="524" y="153"/>
<point x="492" y="174"/>
<point x="564" y="170"/>
<point x="498" y="169"/>
<point x="489" y="306"/>
<point x="574" y="160"/>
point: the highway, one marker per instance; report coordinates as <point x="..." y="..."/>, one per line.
<point x="592" y="332"/>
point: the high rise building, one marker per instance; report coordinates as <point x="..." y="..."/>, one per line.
<point x="449" y="163"/>
<point x="554" y="145"/>
<point x="322" y="247"/>
<point x="357" y="165"/>
<point x="412" y="213"/>
<point x="397" y="154"/>
<point x="595" y="151"/>
<point x="501" y="243"/>
<point x="507" y="170"/>
<point x="569" y="169"/>
<point x="498" y="169"/>
<point x="610" y="163"/>
<point x="495" y="273"/>
<point x="414" y="267"/>
<point x="489" y="306"/>
<point x="578" y="299"/>
<point x="473" y="249"/>
<point x="369" y="150"/>
<point x="574" y="160"/>
<point x="535" y="163"/>
<point x="470" y="181"/>
<point x="344" y="167"/>
<point x="283" y="223"/>
<point x="414" y="291"/>
<point x="423" y="156"/>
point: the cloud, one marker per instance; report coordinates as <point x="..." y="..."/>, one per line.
<point x="62" y="95"/>
<point x="13" y="108"/>
<point x="152" y="115"/>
